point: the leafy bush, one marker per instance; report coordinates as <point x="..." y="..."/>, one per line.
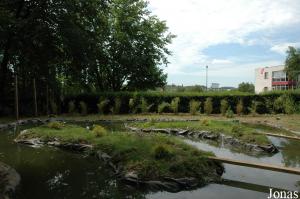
<point x="289" y="104"/>
<point x="117" y="105"/>
<point x="205" y="122"/>
<point x="103" y="105"/>
<point x="175" y="104"/>
<point x="99" y="131"/>
<point x="145" y="108"/>
<point x="208" y="106"/>
<point x="162" y="152"/>
<point x="223" y="106"/>
<point x="240" y="107"/>
<point x="71" y="107"/>
<point x="163" y="107"/>
<point x="83" y="108"/>
<point x="55" y="125"/>
<point x="194" y="107"/>
<point x="229" y="113"/>
<point x="131" y="105"/>
<point x="253" y="108"/>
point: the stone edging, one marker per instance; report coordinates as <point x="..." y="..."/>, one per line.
<point x="209" y="136"/>
<point x="9" y="180"/>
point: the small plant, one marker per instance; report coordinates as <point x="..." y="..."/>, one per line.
<point x="103" y="105"/>
<point x="99" y="131"/>
<point x="55" y="125"/>
<point x="71" y="107"/>
<point x="208" y="106"/>
<point x="229" y="113"/>
<point x="145" y="108"/>
<point x="162" y="152"/>
<point x="83" y="108"/>
<point x="175" y="104"/>
<point x="131" y="105"/>
<point x="237" y="130"/>
<point x="289" y="104"/>
<point x="253" y="108"/>
<point x="224" y="106"/>
<point x="194" y="107"/>
<point x="117" y="106"/>
<point x="205" y="122"/>
<point x="163" y="107"/>
<point x="239" y="107"/>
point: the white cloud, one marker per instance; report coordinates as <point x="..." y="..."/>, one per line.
<point x="221" y="61"/>
<point x="283" y="47"/>
<point x="199" y="24"/>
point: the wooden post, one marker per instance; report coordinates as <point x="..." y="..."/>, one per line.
<point x="34" y="96"/>
<point x="16" y="97"/>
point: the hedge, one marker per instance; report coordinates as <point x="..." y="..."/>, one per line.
<point x="265" y="105"/>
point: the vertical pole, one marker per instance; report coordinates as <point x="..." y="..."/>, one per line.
<point x="47" y="99"/>
<point x="16" y="97"/>
<point x="34" y="95"/>
<point x="206" y="77"/>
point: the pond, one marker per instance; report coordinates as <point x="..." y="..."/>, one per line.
<point x="50" y="173"/>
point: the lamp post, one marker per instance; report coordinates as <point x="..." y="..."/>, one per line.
<point x="206" y="77"/>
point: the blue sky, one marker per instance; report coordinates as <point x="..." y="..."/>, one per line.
<point x="232" y="37"/>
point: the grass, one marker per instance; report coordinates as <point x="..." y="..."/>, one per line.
<point x="240" y="131"/>
<point x="152" y="157"/>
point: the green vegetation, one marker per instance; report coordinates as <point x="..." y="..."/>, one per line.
<point x="175" y="104"/>
<point x="240" y="107"/>
<point x="194" y="107"/>
<point x="99" y="131"/>
<point x="152" y="157"/>
<point x="229" y="113"/>
<point x="242" y="132"/>
<point x="71" y="107"/>
<point x="83" y="108"/>
<point x="163" y="107"/>
<point x="103" y="105"/>
<point x="224" y="106"/>
<point x="292" y="64"/>
<point x="246" y="87"/>
<point x="208" y="106"/>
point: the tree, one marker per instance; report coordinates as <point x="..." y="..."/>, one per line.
<point x="246" y="87"/>
<point x="292" y="64"/>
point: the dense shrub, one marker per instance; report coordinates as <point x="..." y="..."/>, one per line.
<point x="229" y="113"/>
<point x="194" y="107"/>
<point x="83" y="108"/>
<point x="208" y="106"/>
<point x="71" y="107"/>
<point x="163" y="107"/>
<point x="103" y="106"/>
<point x="99" y="131"/>
<point x="240" y="107"/>
<point x="117" y="106"/>
<point x="55" y="125"/>
<point x="144" y="106"/>
<point x="223" y="106"/>
<point x="175" y="104"/>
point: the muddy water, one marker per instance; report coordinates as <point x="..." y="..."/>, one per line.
<point x="50" y="173"/>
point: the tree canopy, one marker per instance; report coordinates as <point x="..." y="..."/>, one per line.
<point x="81" y="45"/>
<point x="246" y="87"/>
<point x="292" y="63"/>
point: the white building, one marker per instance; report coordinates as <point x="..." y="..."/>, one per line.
<point x="272" y="78"/>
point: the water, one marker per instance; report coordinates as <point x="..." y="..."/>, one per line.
<point x="50" y="173"/>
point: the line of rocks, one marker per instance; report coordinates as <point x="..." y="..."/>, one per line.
<point x="9" y="180"/>
<point x="129" y="178"/>
<point x="209" y="135"/>
<point x="38" y="121"/>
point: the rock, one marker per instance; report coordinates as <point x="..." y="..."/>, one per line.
<point x="9" y="180"/>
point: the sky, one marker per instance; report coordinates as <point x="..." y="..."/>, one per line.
<point x="231" y="37"/>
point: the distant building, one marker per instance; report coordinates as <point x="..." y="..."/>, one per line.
<point x="272" y="78"/>
<point x="215" y="86"/>
<point x="227" y="88"/>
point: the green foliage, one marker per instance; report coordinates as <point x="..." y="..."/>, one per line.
<point x="163" y="107"/>
<point x="103" y="105"/>
<point x="175" y="104"/>
<point x="208" y="106"/>
<point x="117" y="105"/>
<point x="229" y="113"/>
<point x="55" y="125"/>
<point x="83" y="108"/>
<point x="240" y="107"/>
<point x="292" y="63"/>
<point x="162" y="152"/>
<point x="99" y="131"/>
<point x="194" y="107"/>
<point x="224" y="106"/>
<point x="246" y="87"/>
<point x="131" y="105"/>
<point x="144" y="106"/>
<point x="237" y="130"/>
<point x="285" y="104"/>
<point x="253" y="108"/>
<point x="205" y="122"/>
<point x="71" y="107"/>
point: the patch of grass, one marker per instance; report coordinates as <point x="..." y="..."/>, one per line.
<point x="240" y="131"/>
<point x="151" y="156"/>
<point x="99" y="131"/>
